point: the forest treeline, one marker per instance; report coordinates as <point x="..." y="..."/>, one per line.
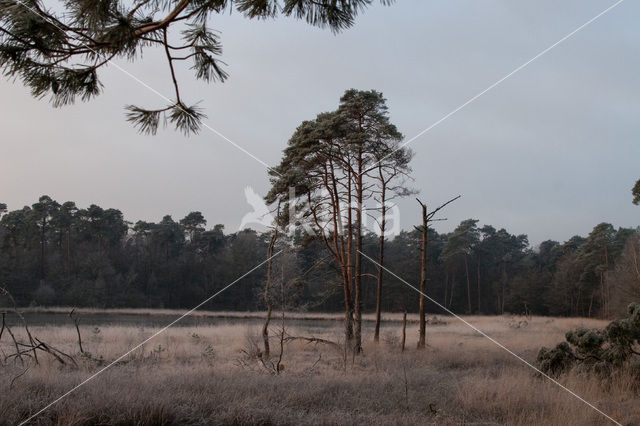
<point x="59" y="254"/>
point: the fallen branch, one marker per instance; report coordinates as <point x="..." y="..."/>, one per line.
<point x="34" y="344"/>
<point x="51" y="350"/>
<point x="312" y="340"/>
<point x="17" y="377"/>
<point x="15" y="343"/>
<point x="4" y="314"/>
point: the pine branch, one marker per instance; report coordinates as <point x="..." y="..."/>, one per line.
<point x="147" y="121"/>
<point x="60" y="54"/>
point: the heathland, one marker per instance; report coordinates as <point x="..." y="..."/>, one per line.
<point x="211" y="372"/>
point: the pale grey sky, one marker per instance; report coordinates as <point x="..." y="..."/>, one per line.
<point x="551" y="152"/>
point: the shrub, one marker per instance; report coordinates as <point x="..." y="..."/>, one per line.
<point x="601" y="351"/>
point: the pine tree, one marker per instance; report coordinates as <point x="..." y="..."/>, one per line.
<point x="327" y="173"/>
<point x="460" y="246"/>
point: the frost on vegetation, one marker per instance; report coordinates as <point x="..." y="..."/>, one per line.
<point x="602" y="351"/>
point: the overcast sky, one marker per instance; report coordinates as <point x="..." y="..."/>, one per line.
<point x="550" y="152"/>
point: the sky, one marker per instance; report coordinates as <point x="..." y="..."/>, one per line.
<point x="549" y="152"/>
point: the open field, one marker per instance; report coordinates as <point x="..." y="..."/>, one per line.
<point x="209" y="375"/>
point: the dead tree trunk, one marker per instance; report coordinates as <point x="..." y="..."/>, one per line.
<point x="404" y="329"/>
<point x="426" y="218"/>
<point x="267" y="287"/>
<point x="267" y="299"/>
<point x="77" y="324"/>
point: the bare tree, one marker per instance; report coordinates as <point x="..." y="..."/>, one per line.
<point x="427" y="217"/>
<point x="267" y="286"/>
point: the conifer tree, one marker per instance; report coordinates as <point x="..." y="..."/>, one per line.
<point x="327" y="173"/>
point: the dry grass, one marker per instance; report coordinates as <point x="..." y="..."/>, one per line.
<point x="200" y="375"/>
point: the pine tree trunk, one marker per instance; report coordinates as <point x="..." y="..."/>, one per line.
<point x="358" y="305"/>
<point x="504" y="281"/>
<point x="423" y="279"/>
<point x="453" y="283"/>
<point x="349" y="284"/>
<point x="603" y="297"/>
<point x="376" y="334"/>
<point x="446" y="287"/>
<point x="68" y="248"/>
<point x="42" y="248"/>
<point x="348" y="310"/>
<point x="383" y="224"/>
<point x="466" y="268"/>
<point x="478" y="268"/>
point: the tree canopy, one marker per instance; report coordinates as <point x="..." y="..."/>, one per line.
<point x="92" y="256"/>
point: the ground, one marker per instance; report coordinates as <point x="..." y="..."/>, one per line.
<point x="210" y="374"/>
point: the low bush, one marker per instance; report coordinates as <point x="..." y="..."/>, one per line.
<point x="596" y="350"/>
